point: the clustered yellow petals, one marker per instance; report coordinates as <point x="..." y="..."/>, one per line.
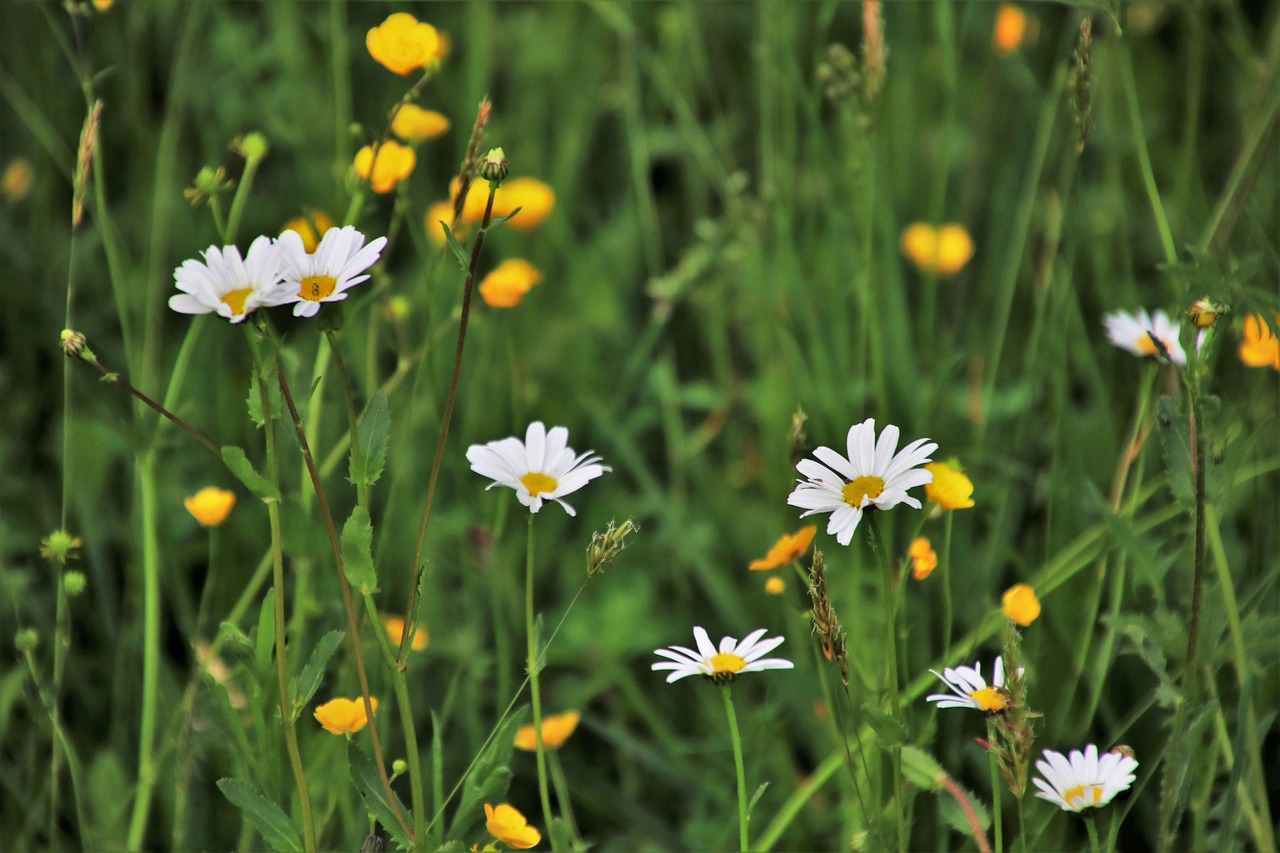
<point x="385" y="165"/>
<point x="414" y="124"/>
<point x="789" y="547"/>
<point x="775" y="586"/>
<point x="1010" y="27"/>
<point x="507" y="825"/>
<point x="943" y="251"/>
<point x="344" y="716"/>
<point x="310" y="228"/>
<point x="950" y="488"/>
<point x="534" y="198"/>
<point x="1020" y="604"/>
<point x="508" y="282"/>
<point x="211" y="505"/>
<point x="1261" y="348"/>
<point x="402" y="43"/>
<point x="555" y="731"/>
<point x="923" y="558"/>
<point x="394" y="626"/>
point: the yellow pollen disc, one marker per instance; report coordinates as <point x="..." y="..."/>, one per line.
<point x="538" y="483"/>
<point x="317" y="287"/>
<point x="727" y="662"/>
<point x="863" y="487"/>
<point x="989" y="699"/>
<point x="1147" y="345"/>
<point x="235" y="300"/>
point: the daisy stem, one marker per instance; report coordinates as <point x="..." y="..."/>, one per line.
<point x="532" y="640"/>
<point x="891" y="631"/>
<point x="946" y="588"/>
<point x="727" y="693"/>
<point x="1092" y="829"/>
<point x="996" y="824"/>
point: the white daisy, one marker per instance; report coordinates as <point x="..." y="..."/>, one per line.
<point x="1134" y="332"/>
<point x="542" y="467"/>
<point x="1087" y="780"/>
<point x="231" y="287"/>
<point x="970" y="690"/>
<point x="872" y="475"/>
<point x="725" y="663"/>
<point x="325" y="274"/>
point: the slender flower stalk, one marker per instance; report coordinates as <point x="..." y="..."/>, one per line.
<point x="895" y="702"/>
<point x="997" y="823"/>
<point x="727" y="693"/>
<point x="531" y="638"/>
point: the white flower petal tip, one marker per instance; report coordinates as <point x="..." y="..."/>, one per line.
<point x="230" y="286"/>
<point x="1137" y="333"/>
<point x="541" y="468"/>
<point x="970" y="690"/>
<point x="874" y="473"/>
<point x="1085" y="780"/>
<point x="722" y="663"/>
<point x="327" y="273"/>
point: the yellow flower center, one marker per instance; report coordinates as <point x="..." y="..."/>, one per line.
<point x="989" y="699"/>
<point x="537" y="483"/>
<point x="863" y="487"/>
<point x="317" y="287"/>
<point x="235" y="300"/>
<point x="1147" y="344"/>
<point x="726" y="663"/>
<point x="1083" y="795"/>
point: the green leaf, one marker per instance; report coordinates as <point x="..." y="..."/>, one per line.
<point x="487" y="781"/>
<point x="277" y="830"/>
<point x="306" y="683"/>
<point x="459" y="253"/>
<point x="232" y="723"/>
<point x="890" y="731"/>
<point x="364" y="773"/>
<point x="357" y="552"/>
<point x="955" y="817"/>
<point x="370" y="458"/>
<point x="561" y="835"/>
<point x="265" y="639"/>
<point x="254" y="400"/>
<point x="921" y="769"/>
<point x="755" y="798"/>
<point x="1176" y="442"/>
<point x="498" y="220"/>
<point x="240" y="465"/>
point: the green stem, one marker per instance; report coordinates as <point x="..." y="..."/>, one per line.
<point x="241" y="198"/>
<point x="737" y="765"/>
<point x="150" y="651"/>
<point x="1094" y="847"/>
<point x="946" y="587"/>
<point x="997" y="824"/>
<point x="561" y="784"/>
<point x="357" y="451"/>
<point x="531" y="639"/>
<point x="895" y="700"/>
<point x="1144" y="158"/>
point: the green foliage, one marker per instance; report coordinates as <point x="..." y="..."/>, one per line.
<point x="277" y="830"/>
<point x="305" y="684"/>
<point x="375" y="431"/>
<point x="239" y="465"/>
<point x="487" y="779"/>
<point x="357" y="553"/>
<point x="364" y="774"/>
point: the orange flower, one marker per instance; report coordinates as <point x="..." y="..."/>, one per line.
<point x="401" y="43"/>
<point x="534" y="198"/>
<point x="1020" y="604"/>
<point x="394" y="626"/>
<point x="210" y="506"/>
<point x="507" y="825"/>
<point x="414" y="124"/>
<point x="923" y="558"/>
<point x="310" y="228"/>
<point x="1261" y="348"/>
<point x="508" y="282"/>
<point x="385" y="165"/>
<point x="950" y="488"/>
<point x="344" y="716"/>
<point x="943" y="250"/>
<point x="555" y="731"/>
<point x="1011" y="26"/>
<point x="790" y="546"/>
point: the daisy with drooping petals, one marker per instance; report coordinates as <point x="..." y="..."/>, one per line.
<point x="540" y="468"/>
<point x="326" y="274"/>
<point x="722" y="664"/>
<point x="1135" y="333"/>
<point x="229" y="286"/>
<point x="872" y="475"/>
<point x="1087" y="780"/>
<point x="970" y="690"/>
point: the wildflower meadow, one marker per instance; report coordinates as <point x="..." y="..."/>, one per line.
<point x="639" y="426"/>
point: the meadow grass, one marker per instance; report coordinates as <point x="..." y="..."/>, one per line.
<point x="725" y="287"/>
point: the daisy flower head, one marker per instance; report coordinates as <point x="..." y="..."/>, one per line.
<point x="541" y="468"/>
<point x="1086" y="780"/>
<point x="230" y="286"/>
<point x="325" y="274"/>
<point x="1137" y="333"/>
<point x="970" y="690"/>
<point x="724" y="663"/>
<point x="872" y="475"/>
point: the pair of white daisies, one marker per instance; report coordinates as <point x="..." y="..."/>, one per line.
<point x="274" y="272"/>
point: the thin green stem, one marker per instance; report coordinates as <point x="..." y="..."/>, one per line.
<point x="891" y="653"/>
<point x="1094" y="846"/>
<point x="561" y="784"/>
<point x="1144" y="157"/>
<point x="73" y="762"/>
<point x="727" y="693"/>
<point x="531" y="639"/>
<point x="241" y="198"/>
<point x="946" y="587"/>
<point x="150" y="651"/>
<point x="997" y="824"/>
<point x="357" y="451"/>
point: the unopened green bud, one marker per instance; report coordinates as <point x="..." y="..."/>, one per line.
<point x="59" y="546"/>
<point x="399" y="766"/>
<point x="493" y="166"/>
<point x="72" y="342"/>
<point x="74" y="583"/>
<point x="251" y="146"/>
<point x="27" y="639"/>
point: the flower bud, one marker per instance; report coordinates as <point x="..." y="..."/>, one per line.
<point x="74" y="583"/>
<point x="493" y="166"/>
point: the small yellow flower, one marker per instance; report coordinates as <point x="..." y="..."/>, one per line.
<point x="950" y="488"/>
<point x="507" y="825"/>
<point x="211" y="505"/>
<point x="775" y="585"/>
<point x="943" y="250"/>
<point x="385" y="165"/>
<point x="394" y="626"/>
<point x="555" y="731"/>
<point x="16" y="181"/>
<point x="535" y="199"/>
<point x="1261" y="348"/>
<point x="344" y="716"/>
<point x="790" y="546"/>
<point x="103" y="5"/>
<point x="1011" y="26"/>
<point x="414" y="124"/>
<point x="442" y="211"/>
<point x="507" y="283"/>
<point x="402" y="43"/>
<point x="1020" y="604"/>
<point x="923" y="558"/>
<point x="310" y="228"/>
